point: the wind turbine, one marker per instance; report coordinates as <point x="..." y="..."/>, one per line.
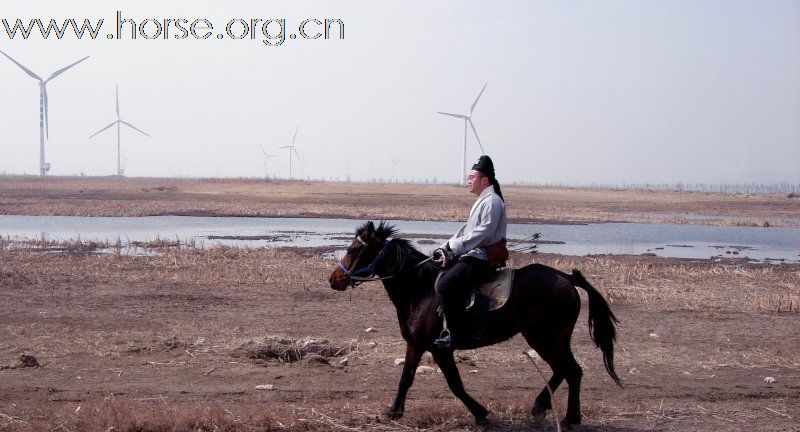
<point x="124" y="160"/>
<point x="117" y="122"/>
<point x="467" y="119"/>
<point x="302" y="168"/>
<point x="292" y="149"/>
<point x="349" y="170"/>
<point x="44" y="123"/>
<point x="394" y="165"/>
<point x="266" y="156"/>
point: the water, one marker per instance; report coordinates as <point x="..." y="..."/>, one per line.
<point x="666" y="240"/>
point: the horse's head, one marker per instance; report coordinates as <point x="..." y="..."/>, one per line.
<point x="362" y="256"/>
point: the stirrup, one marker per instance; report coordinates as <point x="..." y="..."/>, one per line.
<point x="445" y="339"/>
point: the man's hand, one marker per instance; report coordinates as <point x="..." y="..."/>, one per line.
<point x="443" y="256"/>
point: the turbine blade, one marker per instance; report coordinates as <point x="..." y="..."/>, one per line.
<point x="27" y="71"/>
<point x="46" y="112"/>
<point x="101" y="130"/>
<point x="130" y="125"/>
<point x="286" y="147"/>
<point x="117" y="87"/>
<point x="476" y="136"/>
<point x="295" y="134"/>
<point x="262" y="150"/>
<point x="298" y="155"/>
<point x="476" y="99"/>
<point x="461" y="116"/>
<point x="64" y="69"/>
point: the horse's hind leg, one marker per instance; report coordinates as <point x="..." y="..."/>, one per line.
<point x="542" y="402"/>
<point x="557" y="353"/>
<point x="574" y="373"/>
<point x="444" y="358"/>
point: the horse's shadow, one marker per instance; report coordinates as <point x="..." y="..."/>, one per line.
<point x="540" y="426"/>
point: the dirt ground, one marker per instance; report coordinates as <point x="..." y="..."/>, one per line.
<point x="254" y="339"/>
<point x="182" y="340"/>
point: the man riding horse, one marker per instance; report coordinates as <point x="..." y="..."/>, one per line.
<point x="473" y="252"/>
<point x="543" y="304"/>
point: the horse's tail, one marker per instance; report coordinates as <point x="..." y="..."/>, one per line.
<point x="601" y="323"/>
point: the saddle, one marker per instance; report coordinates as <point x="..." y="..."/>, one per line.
<point x="496" y="290"/>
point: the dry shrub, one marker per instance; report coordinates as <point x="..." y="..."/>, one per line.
<point x="68" y="246"/>
<point x="158" y="243"/>
<point x="288" y="350"/>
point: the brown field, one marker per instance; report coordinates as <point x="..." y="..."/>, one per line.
<point x="180" y="340"/>
<point x="108" y="196"/>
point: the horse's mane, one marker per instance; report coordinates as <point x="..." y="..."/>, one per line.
<point x="383" y="230"/>
<point x="402" y="255"/>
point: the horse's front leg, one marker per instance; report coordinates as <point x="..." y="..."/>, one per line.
<point x="444" y="358"/>
<point x="413" y="356"/>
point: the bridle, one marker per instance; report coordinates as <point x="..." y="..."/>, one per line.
<point x="357" y="276"/>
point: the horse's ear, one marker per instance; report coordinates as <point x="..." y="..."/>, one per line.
<point x="370" y="227"/>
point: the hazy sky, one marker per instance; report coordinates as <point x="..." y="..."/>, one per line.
<point x="578" y="92"/>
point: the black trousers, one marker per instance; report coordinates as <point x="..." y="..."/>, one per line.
<point x="457" y="283"/>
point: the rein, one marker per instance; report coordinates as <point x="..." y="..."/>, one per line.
<point x="367" y="274"/>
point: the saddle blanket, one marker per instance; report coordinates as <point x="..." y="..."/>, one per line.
<point x="497" y="289"/>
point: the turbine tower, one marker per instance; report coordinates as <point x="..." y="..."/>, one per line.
<point x="467" y="119"/>
<point x="291" y="150"/>
<point x="124" y="160"/>
<point x="117" y="122"/>
<point x="44" y="123"/>
<point x="266" y="156"/>
<point x="394" y="165"/>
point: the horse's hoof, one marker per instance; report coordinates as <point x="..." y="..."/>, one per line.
<point x="393" y="415"/>
<point x="483" y="422"/>
<point x="568" y="423"/>
<point x="539" y="413"/>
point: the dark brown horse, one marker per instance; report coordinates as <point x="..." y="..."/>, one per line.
<point x="543" y="306"/>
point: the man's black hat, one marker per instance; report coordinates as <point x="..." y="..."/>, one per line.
<point x="484" y="166"/>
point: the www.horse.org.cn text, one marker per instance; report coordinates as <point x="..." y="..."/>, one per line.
<point x="270" y="31"/>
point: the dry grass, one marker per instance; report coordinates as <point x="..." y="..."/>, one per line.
<point x="726" y="285"/>
<point x="243" y="197"/>
<point x="730" y="285"/>
<point x="130" y="415"/>
<point x="150" y="325"/>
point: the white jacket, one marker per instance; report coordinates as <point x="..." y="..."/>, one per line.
<point x="485" y="226"/>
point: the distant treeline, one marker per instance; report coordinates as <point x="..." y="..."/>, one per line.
<point x="725" y="188"/>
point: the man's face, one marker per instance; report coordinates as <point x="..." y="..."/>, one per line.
<point x="476" y="182"/>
